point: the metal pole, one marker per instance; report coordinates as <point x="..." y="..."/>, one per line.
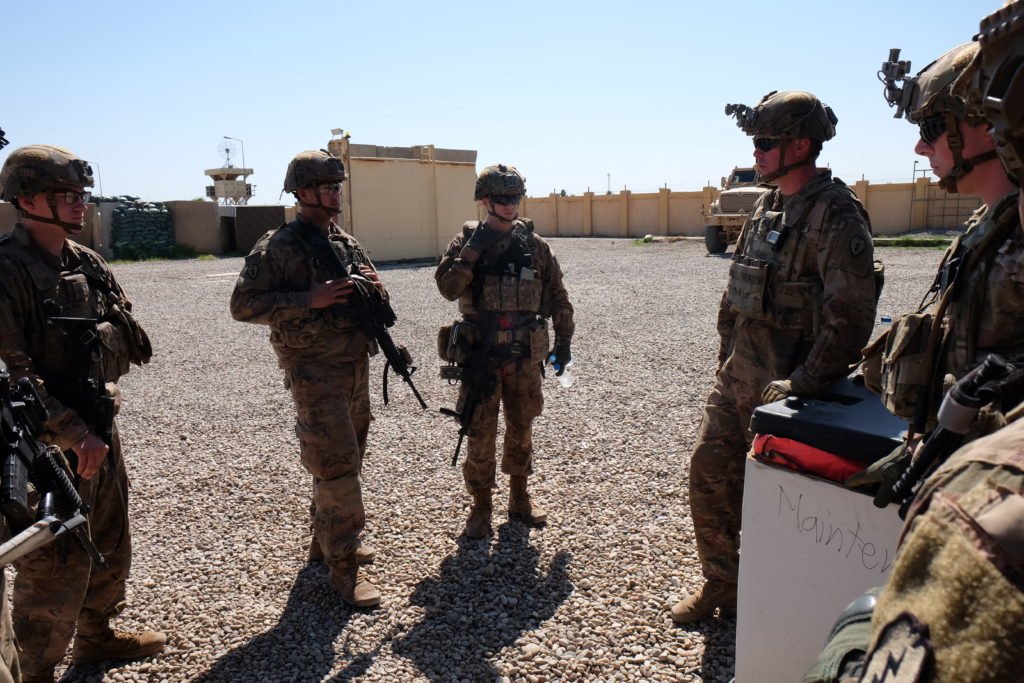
<point x="240" y="142"/>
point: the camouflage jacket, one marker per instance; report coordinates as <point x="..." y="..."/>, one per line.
<point x="457" y="273"/>
<point x="986" y="314"/>
<point x="273" y="290"/>
<point x="35" y="286"/>
<point x="805" y="308"/>
<point x="954" y="605"/>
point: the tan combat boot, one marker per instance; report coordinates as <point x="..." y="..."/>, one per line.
<point x="479" y="523"/>
<point x="364" y="553"/>
<point x="352" y="584"/>
<point x="702" y="603"/>
<point x="97" y="642"/>
<point x="520" y="505"/>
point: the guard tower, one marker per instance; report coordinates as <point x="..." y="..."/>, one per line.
<point x="230" y="183"/>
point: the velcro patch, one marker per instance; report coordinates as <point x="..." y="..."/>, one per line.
<point x="903" y="654"/>
<point x="252" y="266"/>
<point x="857" y="245"/>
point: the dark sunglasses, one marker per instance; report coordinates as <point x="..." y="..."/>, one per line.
<point x="766" y="144"/>
<point x="507" y="199"/>
<point x="932" y="128"/>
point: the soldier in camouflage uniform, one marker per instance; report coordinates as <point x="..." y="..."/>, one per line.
<point x="44" y="275"/>
<point x="507" y="282"/>
<point x="953" y="610"/>
<point x="799" y="305"/>
<point x="294" y="282"/>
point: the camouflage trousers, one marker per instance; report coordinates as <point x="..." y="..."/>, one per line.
<point x="10" y="669"/>
<point x="716" y="471"/>
<point x="518" y="390"/>
<point x="57" y="585"/>
<point x="332" y="405"/>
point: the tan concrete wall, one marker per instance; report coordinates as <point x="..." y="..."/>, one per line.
<point x="197" y="225"/>
<point x="893" y="207"/>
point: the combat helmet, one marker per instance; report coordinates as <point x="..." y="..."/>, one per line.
<point x="928" y="100"/>
<point x="995" y="83"/>
<point x="499" y="180"/>
<point x="786" y="115"/>
<point x="44" y="168"/>
<point x="311" y="168"/>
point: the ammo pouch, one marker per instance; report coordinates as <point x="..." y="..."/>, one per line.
<point x="114" y="351"/>
<point x="897" y="363"/>
<point x="455" y="342"/>
<point x="797" y="306"/>
<point x="748" y="286"/>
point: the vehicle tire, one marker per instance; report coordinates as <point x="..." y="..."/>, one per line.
<point x="714" y="239"/>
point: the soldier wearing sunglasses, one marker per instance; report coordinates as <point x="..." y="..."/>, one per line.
<point x="976" y="293"/>
<point x="798" y="308"/>
<point x="508" y="283"/>
<point x="59" y="592"/>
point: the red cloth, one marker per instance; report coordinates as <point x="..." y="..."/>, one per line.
<point x="800" y="457"/>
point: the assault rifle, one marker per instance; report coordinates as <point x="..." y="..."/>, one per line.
<point x="25" y="460"/>
<point x="87" y="393"/>
<point x="478" y="377"/>
<point x="994" y="380"/>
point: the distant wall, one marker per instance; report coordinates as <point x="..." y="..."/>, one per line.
<point x="197" y="225"/>
<point x="893" y="207"/>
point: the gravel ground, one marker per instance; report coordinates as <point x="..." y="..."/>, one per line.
<point x="219" y="499"/>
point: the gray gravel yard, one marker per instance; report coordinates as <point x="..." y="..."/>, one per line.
<point x="220" y="501"/>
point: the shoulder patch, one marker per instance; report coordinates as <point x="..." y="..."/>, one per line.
<point x="251" y="271"/>
<point x="857" y="245"/>
<point x="903" y="654"/>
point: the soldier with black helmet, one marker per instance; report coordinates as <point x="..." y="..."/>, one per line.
<point x="508" y="284"/>
<point x="292" y="283"/>
<point x="44" y="276"/>
<point x="799" y="306"/>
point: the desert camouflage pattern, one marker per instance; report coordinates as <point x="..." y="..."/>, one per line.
<point x="501" y="180"/>
<point x="786" y="114"/>
<point x="35" y="168"/>
<point x="50" y="594"/>
<point x="313" y="167"/>
<point x="987" y="315"/>
<point x="325" y="358"/>
<point x="10" y="667"/>
<point x="959" y="571"/>
<point x="816" y="312"/>
<point x="519" y="378"/>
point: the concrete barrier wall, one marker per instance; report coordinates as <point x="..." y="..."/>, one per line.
<point x="894" y="208"/>
<point x="197" y="225"/>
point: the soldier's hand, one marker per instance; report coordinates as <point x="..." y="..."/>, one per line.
<point x="563" y="354"/>
<point x="324" y="294"/>
<point x="776" y="391"/>
<point x="90" y="451"/>
<point x="482" y="238"/>
<point x="371" y="275"/>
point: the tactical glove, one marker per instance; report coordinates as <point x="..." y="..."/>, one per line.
<point x="482" y="238"/>
<point x="777" y="390"/>
<point x="562" y="354"/>
<point x="883" y="473"/>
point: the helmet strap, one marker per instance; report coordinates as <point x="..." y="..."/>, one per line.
<point x="319" y="205"/>
<point x="961" y="166"/>
<point x="51" y="201"/>
<point x="490" y="212"/>
<point x="783" y="168"/>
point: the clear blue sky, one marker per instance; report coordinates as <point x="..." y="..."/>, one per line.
<point x="567" y="91"/>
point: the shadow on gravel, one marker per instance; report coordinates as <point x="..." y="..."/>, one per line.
<point x="484" y="599"/>
<point x="301" y="643"/>
<point x="718" y="663"/>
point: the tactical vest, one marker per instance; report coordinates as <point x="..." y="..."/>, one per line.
<point x="299" y="339"/>
<point x="505" y="282"/>
<point x="83" y="290"/>
<point x="764" y="282"/>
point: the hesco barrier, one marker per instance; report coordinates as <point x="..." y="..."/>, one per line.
<point x="141" y="229"/>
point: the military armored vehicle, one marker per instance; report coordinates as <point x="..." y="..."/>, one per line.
<point x="725" y="217"/>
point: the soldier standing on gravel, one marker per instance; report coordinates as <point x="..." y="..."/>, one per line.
<point x="799" y="306"/>
<point x="294" y="283"/>
<point x="507" y="283"/>
<point x="45" y="276"/>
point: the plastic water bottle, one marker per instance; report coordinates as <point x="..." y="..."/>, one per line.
<point x="566" y="378"/>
